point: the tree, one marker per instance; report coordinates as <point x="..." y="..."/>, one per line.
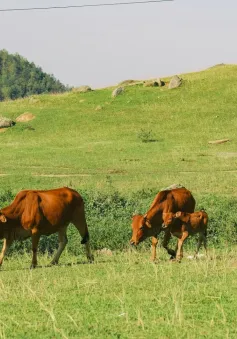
<point x="20" y="78"/>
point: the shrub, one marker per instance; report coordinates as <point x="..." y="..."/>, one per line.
<point x="109" y="219"/>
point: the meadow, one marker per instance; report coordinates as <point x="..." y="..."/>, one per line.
<point x="118" y="153"/>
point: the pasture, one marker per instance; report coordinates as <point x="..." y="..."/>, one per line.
<point x="122" y="296"/>
<point x="118" y="157"/>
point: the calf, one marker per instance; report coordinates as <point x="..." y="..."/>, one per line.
<point x="191" y="223"/>
<point x="150" y="224"/>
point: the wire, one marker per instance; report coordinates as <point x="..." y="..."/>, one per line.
<point x="82" y="6"/>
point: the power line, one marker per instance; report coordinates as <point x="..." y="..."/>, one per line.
<point x="82" y="6"/>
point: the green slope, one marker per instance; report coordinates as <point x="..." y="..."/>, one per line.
<point x="75" y="144"/>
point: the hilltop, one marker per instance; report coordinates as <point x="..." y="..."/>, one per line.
<point x="20" y="78"/>
<point x="146" y="137"/>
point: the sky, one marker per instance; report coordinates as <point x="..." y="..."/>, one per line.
<point x="102" y="46"/>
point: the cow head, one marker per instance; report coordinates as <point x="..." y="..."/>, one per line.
<point x="141" y="229"/>
<point x="168" y="219"/>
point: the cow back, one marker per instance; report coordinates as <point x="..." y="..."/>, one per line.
<point x="175" y="200"/>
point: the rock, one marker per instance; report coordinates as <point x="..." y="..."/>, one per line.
<point x="5" y="122"/>
<point x="160" y="82"/>
<point x="150" y="84"/>
<point x="27" y="116"/>
<point x="82" y="89"/>
<point x="175" y="82"/>
<point x="117" y="91"/>
<point x="221" y="141"/>
<point x="128" y="82"/>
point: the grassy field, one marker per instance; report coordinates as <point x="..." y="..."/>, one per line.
<point x="119" y="156"/>
<point x="122" y="296"/>
<point x="74" y="144"/>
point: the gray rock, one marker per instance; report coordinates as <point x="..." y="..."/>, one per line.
<point x="160" y="82"/>
<point x="175" y="82"/>
<point x="117" y="91"/>
<point x="5" y="122"/>
<point x="82" y="89"/>
<point x="150" y="84"/>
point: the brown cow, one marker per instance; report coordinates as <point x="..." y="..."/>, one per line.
<point x="34" y="213"/>
<point x="192" y="223"/>
<point x="150" y="224"/>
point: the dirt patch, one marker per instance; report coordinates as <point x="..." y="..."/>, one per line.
<point x="60" y="175"/>
<point x="27" y="116"/>
<point x="116" y="171"/>
<point x="227" y="155"/>
<point x="216" y="142"/>
<point x="2" y="130"/>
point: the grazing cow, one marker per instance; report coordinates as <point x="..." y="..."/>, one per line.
<point x="34" y="213"/>
<point x="192" y="223"/>
<point x="150" y="224"/>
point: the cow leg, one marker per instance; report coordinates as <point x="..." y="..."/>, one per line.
<point x="6" y="244"/>
<point x="35" y="241"/>
<point x="179" y="254"/>
<point x="79" y="221"/>
<point x="202" y="239"/>
<point x="165" y="244"/>
<point x="62" y="242"/>
<point x="205" y="242"/>
<point x="154" y="242"/>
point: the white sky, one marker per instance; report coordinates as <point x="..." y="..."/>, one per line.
<point x="103" y="46"/>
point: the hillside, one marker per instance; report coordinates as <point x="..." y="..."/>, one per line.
<point x="118" y="153"/>
<point x="20" y="78"/>
<point x="71" y="142"/>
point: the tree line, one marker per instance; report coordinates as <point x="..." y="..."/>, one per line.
<point x="20" y="78"/>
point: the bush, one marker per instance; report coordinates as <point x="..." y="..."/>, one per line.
<point x="109" y="219"/>
<point x="146" y="135"/>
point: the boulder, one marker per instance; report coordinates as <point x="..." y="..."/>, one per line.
<point x="175" y="82"/>
<point x="160" y="82"/>
<point x="128" y="82"/>
<point x="82" y="89"/>
<point x="117" y="91"/>
<point x="5" y="122"/>
<point x="25" y="117"/>
<point x="150" y="84"/>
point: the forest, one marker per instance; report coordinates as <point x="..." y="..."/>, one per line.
<point x="20" y="78"/>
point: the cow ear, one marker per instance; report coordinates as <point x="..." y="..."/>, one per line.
<point x="3" y="218"/>
<point x="148" y="223"/>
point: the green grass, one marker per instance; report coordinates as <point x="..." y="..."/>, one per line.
<point x="75" y="145"/>
<point x="122" y="296"/>
<point x="118" y="157"/>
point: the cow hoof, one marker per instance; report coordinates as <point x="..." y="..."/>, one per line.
<point x="53" y="263"/>
<point x="32" y="266"/>
<point x="173" y="260"/>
